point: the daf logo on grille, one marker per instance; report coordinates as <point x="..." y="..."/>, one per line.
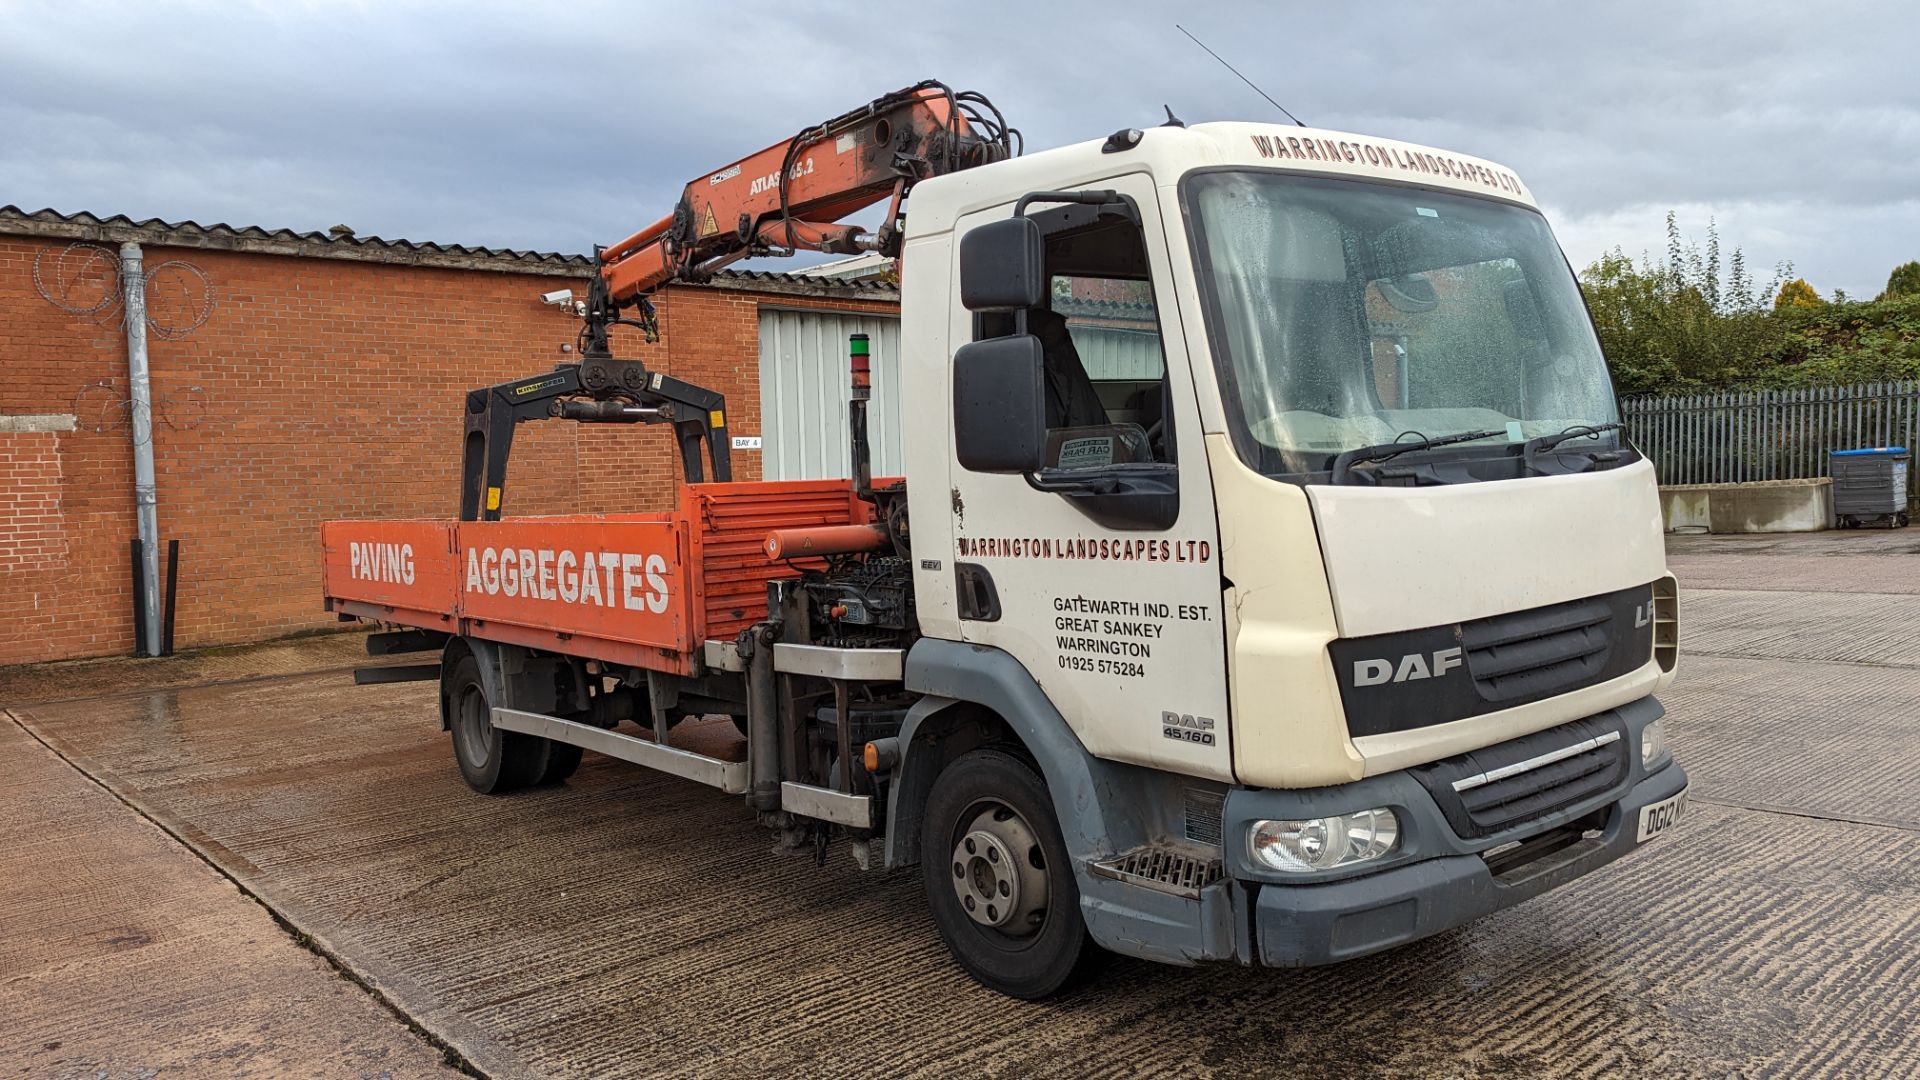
<point x="1409" y="668"/>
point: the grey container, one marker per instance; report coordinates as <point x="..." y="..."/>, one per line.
<point x="1869" y="484"/>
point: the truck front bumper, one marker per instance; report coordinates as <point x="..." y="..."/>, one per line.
<point x="1305" y="925"/>
<point x="1435" y="879"/>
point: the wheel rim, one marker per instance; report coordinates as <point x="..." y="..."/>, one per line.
<point x="998" y="870"/>
<point x="473" y="725"/>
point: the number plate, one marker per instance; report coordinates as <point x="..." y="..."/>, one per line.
<point x="1661" y="816"/>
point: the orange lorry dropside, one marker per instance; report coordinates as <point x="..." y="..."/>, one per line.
<point x="644" y="590"/>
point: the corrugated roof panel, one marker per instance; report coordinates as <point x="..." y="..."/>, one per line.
<point x="84" y="225"/>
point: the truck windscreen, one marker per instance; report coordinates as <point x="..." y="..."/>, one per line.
<point x="1347" y="314"/>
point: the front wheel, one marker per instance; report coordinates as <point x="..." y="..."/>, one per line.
<point x="999" y="879"/>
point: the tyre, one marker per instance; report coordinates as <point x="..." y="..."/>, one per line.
<point x="493" y="761"/>
<point x="1900" y="520"/>
<point x="999" y="880"/>
<point x="562" y="760"/>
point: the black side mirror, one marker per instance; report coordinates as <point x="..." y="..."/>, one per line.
<point x="1003" y="266"/>
<point x="999" y="422"/>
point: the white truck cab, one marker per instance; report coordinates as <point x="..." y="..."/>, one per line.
<point x="1282" y="476"/>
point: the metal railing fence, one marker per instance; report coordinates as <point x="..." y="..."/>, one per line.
<point x="1747" y="435"/>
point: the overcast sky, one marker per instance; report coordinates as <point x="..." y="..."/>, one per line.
<point x="1796" y="126"/>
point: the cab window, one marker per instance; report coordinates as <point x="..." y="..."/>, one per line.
<point x="1106" y="373"/>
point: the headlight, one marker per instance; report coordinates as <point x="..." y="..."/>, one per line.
<point x="1653" y="743"/>
<point x="1300" y="847"/>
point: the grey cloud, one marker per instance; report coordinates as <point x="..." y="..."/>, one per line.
<point x="558" y="126"/>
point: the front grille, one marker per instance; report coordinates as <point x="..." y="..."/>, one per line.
<point x="1499" y="804"/>
<point x="1418" y="678"/>
<point x="1164" y="870"/>
<point x="1505" y="786"/>
<point x="1532" y="654"/>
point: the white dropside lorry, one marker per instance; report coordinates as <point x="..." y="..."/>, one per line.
<point x="1279" y="586"/>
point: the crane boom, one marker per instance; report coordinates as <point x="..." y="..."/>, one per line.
<point x="791" y="196"/>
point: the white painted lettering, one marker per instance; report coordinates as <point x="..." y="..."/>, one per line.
<point x="589" y="580"/>
<point x="610" y="566"/>
<point x="630" y="581"/>
<point x="529" y="574"/>
<point x="546" y="574"/>
<point x="656" y="584"/>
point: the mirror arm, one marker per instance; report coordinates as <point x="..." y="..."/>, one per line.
<point x="1107" y="200"/>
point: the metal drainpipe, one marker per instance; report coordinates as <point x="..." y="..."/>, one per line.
<point x="146" y="504"/>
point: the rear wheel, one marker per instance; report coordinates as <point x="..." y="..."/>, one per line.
<point x="493" y="761"/>
<point x="562" y="760"/>
<point x="999" y="879"/>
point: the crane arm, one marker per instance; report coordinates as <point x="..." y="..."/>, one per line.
<point x="791" y="196"/>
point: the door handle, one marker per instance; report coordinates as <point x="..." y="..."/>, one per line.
<point x="978" y="600"/>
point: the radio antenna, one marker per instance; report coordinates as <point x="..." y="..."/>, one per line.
<point x="1243" y="78"/>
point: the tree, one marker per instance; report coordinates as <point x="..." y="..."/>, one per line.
<point x="1695" y="322"/>
<point x="1904" y="281"/>
<point x="1797" y="293"/>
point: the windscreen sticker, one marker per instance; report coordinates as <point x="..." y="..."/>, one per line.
<point x="1086" y="452"/>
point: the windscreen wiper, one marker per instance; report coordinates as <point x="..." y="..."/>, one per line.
<point x="1540" y="444"/>
<point x="1343" y="465"/>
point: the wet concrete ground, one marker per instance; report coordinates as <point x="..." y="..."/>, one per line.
<point x="124" y="954"/>
<point x="634" y="925"/>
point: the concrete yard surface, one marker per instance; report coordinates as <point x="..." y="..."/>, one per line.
<point x="630" y="924"/>
<point x="123" y="954"/>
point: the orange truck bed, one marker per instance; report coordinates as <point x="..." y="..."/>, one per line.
<point x="639" y="589"/>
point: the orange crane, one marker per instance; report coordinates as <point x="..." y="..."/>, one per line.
<point x="788" y="197"/>
<point x="791" y="196"/>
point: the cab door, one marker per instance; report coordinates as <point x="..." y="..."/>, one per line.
<point x="1099" y="569"/>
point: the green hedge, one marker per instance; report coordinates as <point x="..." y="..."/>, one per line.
<point x="1695" y="323"/>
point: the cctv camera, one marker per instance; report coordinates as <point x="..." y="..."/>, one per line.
<point x="558" y="298"/>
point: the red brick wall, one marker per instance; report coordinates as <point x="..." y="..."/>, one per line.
<point x="319" y="388"/>
<point x="33" y="532"/>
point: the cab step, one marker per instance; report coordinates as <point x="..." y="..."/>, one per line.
<point x="1168" y="870"/>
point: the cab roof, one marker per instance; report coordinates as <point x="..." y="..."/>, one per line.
<point x="1169" y="153"/>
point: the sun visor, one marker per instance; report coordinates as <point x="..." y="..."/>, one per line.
<point x="1306" y="246"/>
